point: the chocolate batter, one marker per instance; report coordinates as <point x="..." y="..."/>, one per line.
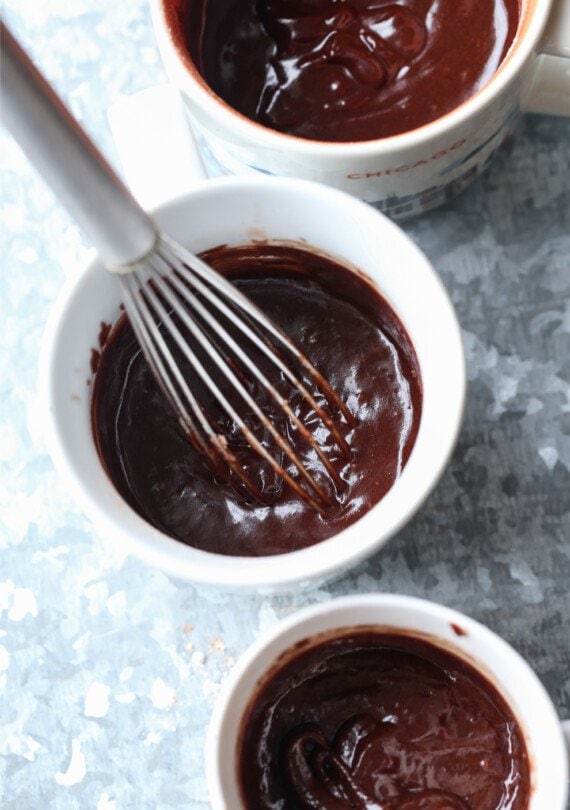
<point x="350" y="334"/>
<point x="344" y="70"/>
<point x="371" y="721"/>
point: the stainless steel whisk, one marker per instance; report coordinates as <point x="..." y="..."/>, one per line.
<point x="159" y="280"/>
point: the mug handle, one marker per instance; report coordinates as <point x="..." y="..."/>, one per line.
<point x="566" y="733"/>
<point x="154" y="142"/>
<point x="549" y="90"/>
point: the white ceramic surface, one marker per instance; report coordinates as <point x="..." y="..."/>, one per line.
<point x="491" y="655"/>
<point x="404" y="174"/>
<point x="235" y="211"/>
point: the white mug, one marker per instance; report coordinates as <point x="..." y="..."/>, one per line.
<point x="491" y="656"/>
<point x="404" y="174"/>
<point x="234" y="211"/>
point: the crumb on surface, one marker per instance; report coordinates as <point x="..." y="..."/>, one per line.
<point x="218" y="644"/>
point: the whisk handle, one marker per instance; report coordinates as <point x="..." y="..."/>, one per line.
<point x="70" y="162"/>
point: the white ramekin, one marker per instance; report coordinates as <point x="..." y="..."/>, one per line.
<point x="479" y="646"/>
<point x="236" y="211"/>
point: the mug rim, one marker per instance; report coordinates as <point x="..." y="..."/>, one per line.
<point x="531" y="25"/>
<point x="274" y="572"/>
<point x="282" y="637"/>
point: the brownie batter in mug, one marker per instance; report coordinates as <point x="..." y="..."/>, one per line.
<point x="384" y="702"/>
<point x="401" y="103"/>
<point x="350" y="70"/>
<point x="344" y="326"/>
<point x="378" y="721"/>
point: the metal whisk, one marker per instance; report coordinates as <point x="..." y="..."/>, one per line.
<point x="171" y="295"/>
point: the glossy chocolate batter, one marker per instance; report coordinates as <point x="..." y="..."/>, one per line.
<point x="344" y="70"/>
<point x="372" y="721"/>
<point x="350" y="334"/>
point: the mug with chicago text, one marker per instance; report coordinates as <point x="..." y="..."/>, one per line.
<point x="306" y="98"/>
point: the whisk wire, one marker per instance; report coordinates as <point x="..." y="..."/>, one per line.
<point x="191" y="299"/>
<point x="153" y="345"/>
<point x="190" y="268"/>
<point x="153" y="300"/>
